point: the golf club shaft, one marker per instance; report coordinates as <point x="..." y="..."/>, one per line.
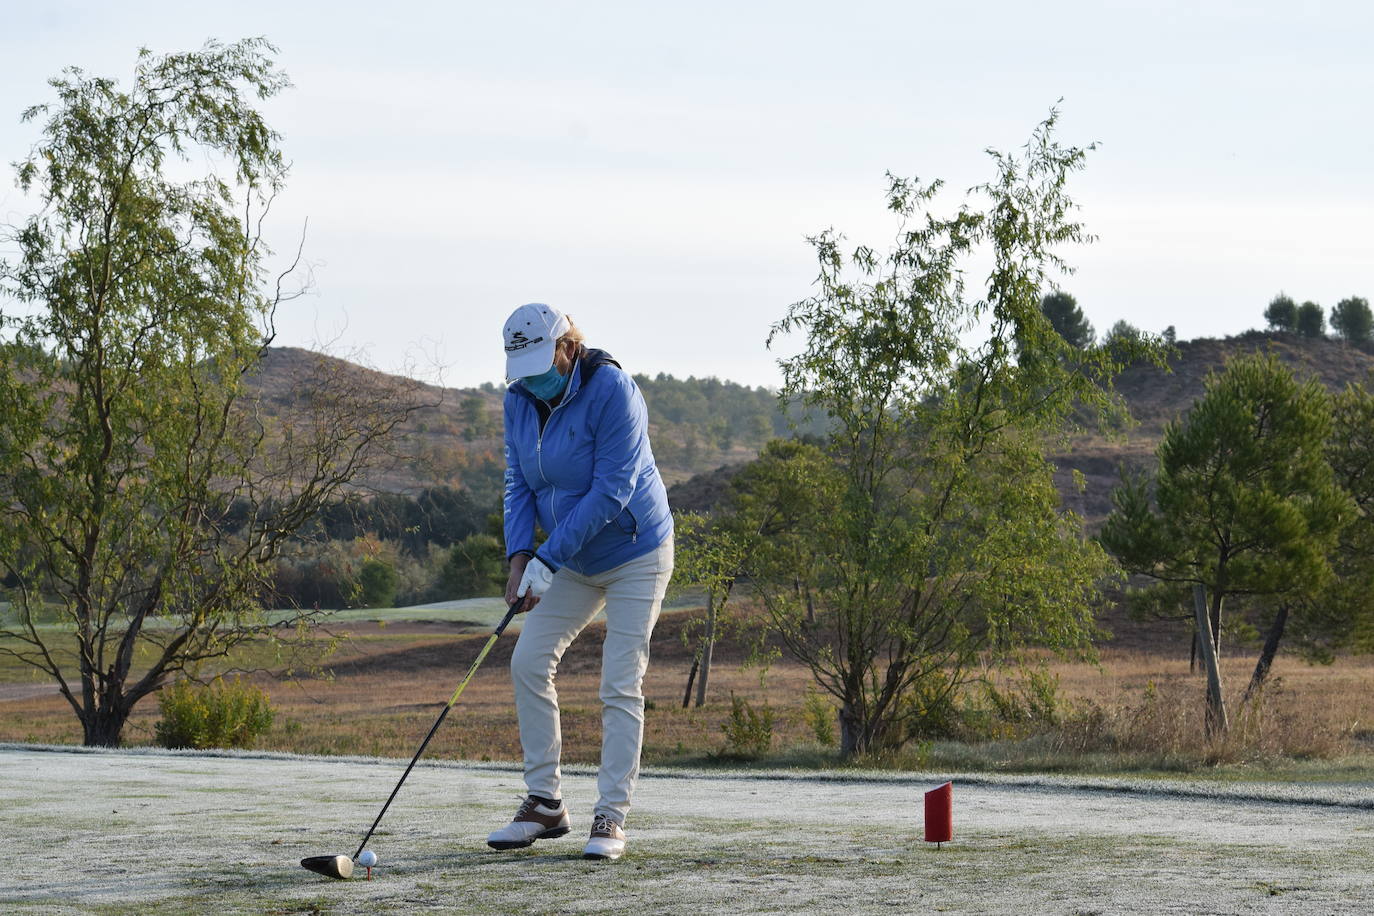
<point x="476" y="663"/>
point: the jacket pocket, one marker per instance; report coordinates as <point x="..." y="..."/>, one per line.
<point x="628" y="523"/>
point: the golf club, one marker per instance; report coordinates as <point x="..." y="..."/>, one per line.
<point x="342" y="866"/>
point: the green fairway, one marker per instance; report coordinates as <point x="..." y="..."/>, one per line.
<point x="477" y="613"/>
<point x="482" y="613"/>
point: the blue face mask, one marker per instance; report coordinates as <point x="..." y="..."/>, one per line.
<point x="547" y="385"/>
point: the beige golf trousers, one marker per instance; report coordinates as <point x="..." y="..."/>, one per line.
<point x="632" y="594"/>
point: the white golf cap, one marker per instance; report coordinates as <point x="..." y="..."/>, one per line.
<point x="531" y="332"/>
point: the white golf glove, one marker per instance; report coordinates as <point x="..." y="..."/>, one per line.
<point x="536" y="580"/>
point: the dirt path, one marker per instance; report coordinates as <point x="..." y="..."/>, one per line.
<point x="159" y="832"/>
<point x="25" y="691"/>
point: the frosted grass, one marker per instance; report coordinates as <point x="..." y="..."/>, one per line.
<point x="150" y="831"/>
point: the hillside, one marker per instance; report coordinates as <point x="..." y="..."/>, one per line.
<point x="703" y="428"/>
<point x="1156" y="398"/>
<point x="455" y="438"/>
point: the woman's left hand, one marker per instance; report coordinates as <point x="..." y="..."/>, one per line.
<point x="534" y="583"/>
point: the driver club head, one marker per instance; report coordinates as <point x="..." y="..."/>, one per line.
<point x="330" y="866"/>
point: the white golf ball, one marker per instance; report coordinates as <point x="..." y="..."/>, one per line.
<point x="367" y="859"/>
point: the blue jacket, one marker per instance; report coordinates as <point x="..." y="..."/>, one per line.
<point x="585" y="471"/>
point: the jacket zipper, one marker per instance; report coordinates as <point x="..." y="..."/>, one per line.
<point x="539" y="457"/>
<point x="539" y="450"/>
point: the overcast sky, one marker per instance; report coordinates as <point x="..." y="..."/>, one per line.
<point x="654" y="169"/>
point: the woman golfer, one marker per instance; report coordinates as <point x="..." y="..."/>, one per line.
<point x="578" y="463"/>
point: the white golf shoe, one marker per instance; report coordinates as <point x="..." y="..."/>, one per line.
<point x="534" y="821"/>
<point x="607" y="840"/>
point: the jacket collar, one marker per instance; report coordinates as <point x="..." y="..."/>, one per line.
<point x="588" y="361"/>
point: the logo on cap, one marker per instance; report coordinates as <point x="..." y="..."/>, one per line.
<point x="518" y="341"/>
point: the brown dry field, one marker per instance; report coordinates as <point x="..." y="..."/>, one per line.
<point x="390" y="682"/>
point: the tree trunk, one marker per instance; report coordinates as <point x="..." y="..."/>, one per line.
<point x="861" y="732"/>
<point x="707" y="643"/>
<point x="1216" y="624"/>
<point x="692" y="676"/>
<point x="1267" y="653"/>
<point x="1217" y="723"/>
<point x="101" y="727"/>
<point x="810" y="601"/>
<point x="851" y="732"/>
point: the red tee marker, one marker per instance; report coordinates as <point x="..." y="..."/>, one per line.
<point x="940" y="814"/>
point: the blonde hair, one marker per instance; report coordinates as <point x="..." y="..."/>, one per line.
<point x="574" y="334"/>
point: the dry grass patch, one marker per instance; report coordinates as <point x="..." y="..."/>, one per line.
<point x="1141" y="710"/>
<point x="1142" y="702"/>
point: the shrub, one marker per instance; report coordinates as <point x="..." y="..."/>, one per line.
<point x="748" y="731"/>
<point x="318" y="574"/>
<point x="1033" y="702"/>
<point x="985" y="712"/>
<point x="220" y="714"/>
<point x="820" y="715"/>
<point x="931" y="711"/>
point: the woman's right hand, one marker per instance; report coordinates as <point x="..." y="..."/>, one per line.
<point x="517" y="572"/>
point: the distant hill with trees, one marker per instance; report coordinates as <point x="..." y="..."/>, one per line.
<point x="1155" y="398"/>
<point x="430" y="521"/>
<point x="447" y="491"/>
<point x="455" y="440"/>
<point x="702" y="428"/>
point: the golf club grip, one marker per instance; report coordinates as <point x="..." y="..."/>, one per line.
<point x="476" y="663"/>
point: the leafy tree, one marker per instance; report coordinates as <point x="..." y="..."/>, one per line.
<point x="137" y="483"/>
<point x="1352" y="320"/>
<point x="1343" y="615"/>
<point x="474" y="568"/>
<point x="315" y="575"/>
<point x="377" y="582"/>
<point x="1282" y="313"/>
<point x="1244" y="501"/>
<point x="1311" y="320"/>
<point x="436" y="515"/>
<point x="941" y="544"/>
<point x="757" y="530"/>
<point x="698" y="421"/>
<point x="479" y="418"/>
<point x="1339" y="615"/>
<point x="1067" y="318"/>
<point x="710" y="554"/>
<point x="1123" y="332"/>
